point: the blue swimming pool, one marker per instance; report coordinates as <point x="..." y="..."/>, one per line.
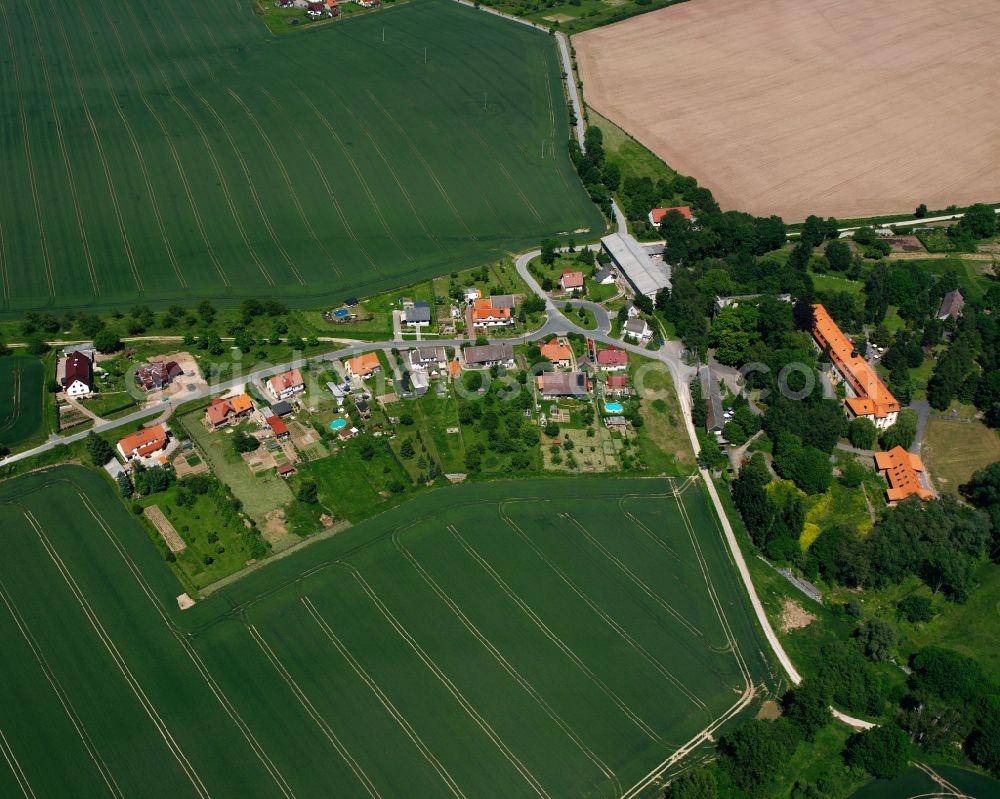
<point x="612" y="407"/>
<point x="336" y="424"/>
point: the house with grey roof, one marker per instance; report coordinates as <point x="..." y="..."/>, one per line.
<point x="418" y="314"/>
<point x="426" y="358"/>
<point x="563" y="384"/>
<point x="637" y="329"/>
<point x="489" y="355"/>
<point x="951" y="305"/>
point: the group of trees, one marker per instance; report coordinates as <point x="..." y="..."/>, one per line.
<point x="505" y="430"/>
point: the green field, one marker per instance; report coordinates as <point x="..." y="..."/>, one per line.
<point x="164" y="152"/>
<point x="511" y="639"/>
<point x="22" y="398"/>
<point x="916" y="784"/>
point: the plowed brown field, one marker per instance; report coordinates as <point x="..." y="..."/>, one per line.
<point x="843" y="108"/>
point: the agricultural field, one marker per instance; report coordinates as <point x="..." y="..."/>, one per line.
<point x="915" y="783"/>
<point x="774" y="108"/>
<point x="22" y="399"/>
<point x="516" y="639"/>
<point x="163" y="153"/>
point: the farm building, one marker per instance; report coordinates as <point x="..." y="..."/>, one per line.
<point x="78" y="375"/>
<point x="867" y="395"/>
<point x="612" y="359"/>
<point x="902" y="471"/>
<point x="502" y="301"/>
<point x="144" y="442"/>
<point x="557" y="352"/>
<point x="570" y="280"/>
<point x="714" y="417"/>
<point x="227" y="411"/>
<point x="951" y="305"/>
<point x="657" y="214"/>
<point x="286" y="385"/>
<point x="286" y="471"/>
<point x="489" y="355"/>
<point x="157" y="375"/>
<point x="363" y="366"/>
<point x="418" y="315"/>
<point x="563" y="384"/>
<point x="644" y="275"/>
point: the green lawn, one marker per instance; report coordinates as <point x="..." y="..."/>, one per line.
<point x="953" y="450"/>
<point x="184" y="151"/>
<point x="518" y="639"/>
<point x="23" y="399"/>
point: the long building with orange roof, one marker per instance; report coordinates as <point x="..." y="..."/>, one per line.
<point x="902" y="471"/>
<point x="867" y="395"/>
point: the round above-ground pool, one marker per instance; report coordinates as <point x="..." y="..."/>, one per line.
<point x="336" y="424"/>
<point x="612" y="407"/>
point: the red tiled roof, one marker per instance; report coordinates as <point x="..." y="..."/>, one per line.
<point x="77" y="368"/>
<point x="283" y="382"/>
<point x="556" y="352"/>
<point x="902" y="471"/>
<point x="571" y="280"/>
<point x="873" y="398"/>
<point x="657" y="214"/>
<point x="612" y="357"/>
<point x="278" y="426"/>
<point x="617" y="381"/>
<point x="363" y="364"/>
<point x="143" y="442"/>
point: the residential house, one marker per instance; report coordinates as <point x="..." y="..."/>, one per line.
<point x="286" y="385"/>
<point x="278" y="427"/>
<point x="867" y="395"/>
<point x="413" y="382"/>
<point x="315" y="9"/>
<point x="902" y="471"/>
<point x="370" y="3"/>
<point x="426" y="358"/>
<point x="471" y="294"/>
<point x="631" y="310"/>
<point x="558" y="353"/>
<point x="418" y="314"/>
<point x="489" y="355"/>
<point x="951" y="305"/>
<point x="571" y="281"/>
<point x="363" y="409"/>
<point x="157" y="375"/>
<point x="605" y="276"/>
<point x="338" y="392"/>
<point x="612" y="359"/>
<point x="228" y="411"/>
<point x="616" y="423"/>
<point x="637" y="329"/>
<point x="617" y="386"/>
<point x="78" y="375"/>
<point x="143" y="442"/>
<point x="491" y="317"/>
<point x="563" y="384"/>
<point x="657" y="214"/>
<point x="363" y="366"/>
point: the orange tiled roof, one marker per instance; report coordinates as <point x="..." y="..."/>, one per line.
<point x="483" y="302"/>
<point x="145" y="441"/>
<point x="363" y="364"/>
<point x="556" y="352"/>
<point x="657" y="214"/>
<point x="873" y="398"/>
<point x="282" y="382"/>
<point x="902" y="471"/>
<point x="490" y="313"/>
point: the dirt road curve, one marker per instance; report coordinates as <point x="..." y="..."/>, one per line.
<point x="847" y="108"/>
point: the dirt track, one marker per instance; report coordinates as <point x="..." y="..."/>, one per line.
<point x="844" y="108"/>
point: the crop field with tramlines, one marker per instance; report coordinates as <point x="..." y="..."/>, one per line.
<point x="162" y="152"/>
<point x="512" y="639"/>
<point x="22" y="383"/>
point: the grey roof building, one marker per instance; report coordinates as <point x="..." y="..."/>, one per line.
<point x="637" y="328"/>
<point x="503" y="301"/>
<point x="643" y="274"/>
<point x="563" y="384"/>
<point x="951" y="305"/>
<point x="489" y="354"/>
<point x="714" y="420"/>
<point x="424" y="357"/>
<point x="418" y="314"/>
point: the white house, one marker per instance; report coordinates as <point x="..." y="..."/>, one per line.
<point x="637" y="329"/>
<point x="78" y="377"/>
<point x="418" y="315"/>
<point x="286" y="385"/>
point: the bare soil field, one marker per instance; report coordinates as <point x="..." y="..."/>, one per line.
<point x="846" y="108"/>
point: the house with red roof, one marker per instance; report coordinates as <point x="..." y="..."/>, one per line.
<point x="227" y="411"/>
<point x="617" y="386"/>
<point x="278" y="427"/>
<point x="143" y="442"/>
<point x="157" y="375"/>
<point x="612" y="359"/>
<point x="902" y="472"/>
<point x="78" y="375"/>
<point x="490" y="317"/>
<point x="286" y="385"/>
<point x="571" y="281"/>
<point x="657" y="214"/>
<point x="363" y="366"/>
<point x="557" y="352"/>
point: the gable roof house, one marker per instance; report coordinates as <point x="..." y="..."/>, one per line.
<point x="363" y="366"/>
<point x="490" y="316"/>
<point x="286" y="385"/>
<point x="902" y="471"/>
<point x="715" y="418"/>
<point x="143" y="442"/>
<point x="617" y="386"/>
<point x="418" y="314"/>
<point x="570" y="280"/>
<point x="426" y="357"/>
<point x="563" y="384"/>
<point x="951" y="306"/>
<point x="226" y="411"/>
<point x="157" y="375"/>
<point x="278" y="427"/>
<point x="867" y="395"/>
<point x="78" y="375"/>
<point x="637" y="329"/>
<point x="558" y="353"/>
<point x="605" y="276"/>
<point x="657" y="214"/>
<point x="489" y="355"/>
<point x="612" y="359"/>
<point x="502" y="301"/>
